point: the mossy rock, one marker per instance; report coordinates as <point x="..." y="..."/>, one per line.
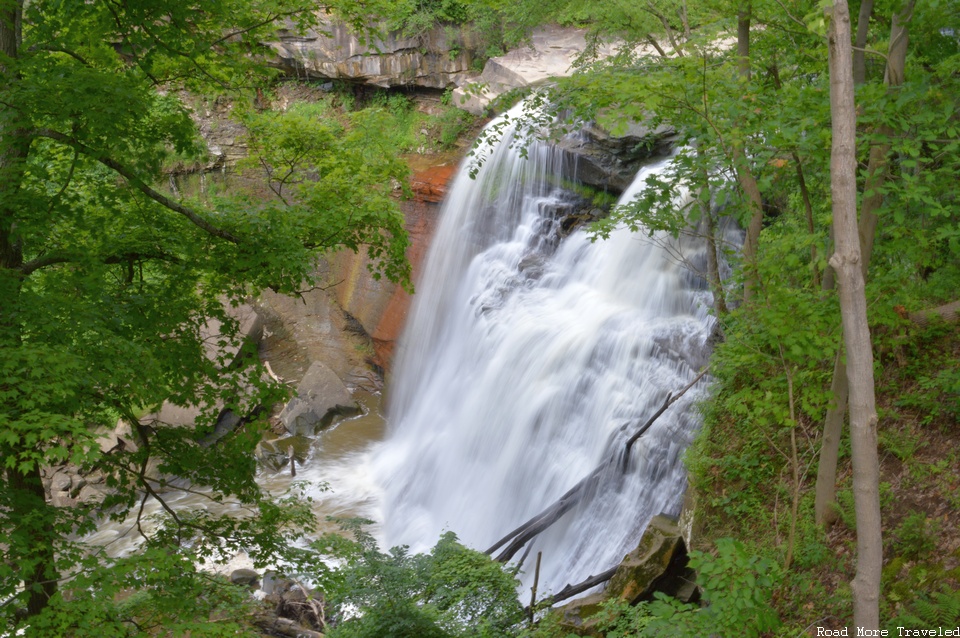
<point x="579" y="616"/>
<point x="650" y="564"/>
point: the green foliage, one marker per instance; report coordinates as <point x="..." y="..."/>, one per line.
<point x="921" y="593"/>
<point x="155" y="591"/>
<point x="916" y="536"/>
<point x="939" y="609"/>
<point x="334" y="182"/>
<point x="737" y="590"/>
<point x="107" y="284"/>
<point x="452" y="591"/>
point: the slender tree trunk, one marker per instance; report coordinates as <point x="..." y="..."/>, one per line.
<point x="709" y="224"/>
<point x="877" y="168"/>
<point x="748" y="183"/>
<point x="853" y="307"/>
<point x="743" y="41"/>
<point x="713" y="267"/>
<point x="808" y="208"/>
<point x="751" y="243"/>
<point x="825" y="514"/>
<point x="684" y="20"/>
<point x="31" y="545"/>
<point x="866" y="230"/>
<point x="859" y="57"/>
<point x="656" y="45"/>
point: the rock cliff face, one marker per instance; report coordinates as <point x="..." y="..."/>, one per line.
<point x="609" y="162"/>
<point x="378" y="305"/>
<point x="439" y="59"/>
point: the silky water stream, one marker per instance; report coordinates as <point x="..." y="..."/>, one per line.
<point x="528" y="357"/>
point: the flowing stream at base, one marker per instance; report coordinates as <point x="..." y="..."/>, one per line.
<point x="527" y="359"/>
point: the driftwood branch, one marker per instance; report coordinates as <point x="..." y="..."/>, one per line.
<point x="534" y="526"/>
<point x="277" y="626"/>
<point x="546" y="518"/>
<point x="592" y="581"/>
<point x="670" y="400"/>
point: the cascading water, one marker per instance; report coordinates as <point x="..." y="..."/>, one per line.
<point x="528" y="358"/>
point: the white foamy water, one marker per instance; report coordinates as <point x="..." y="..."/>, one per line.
<point x="526" y="361"/>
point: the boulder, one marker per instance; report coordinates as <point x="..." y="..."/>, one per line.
<point x="321" y="398"/>
<point x="658" y="564"/>
<point x="580" y="616"/>
<point x="247" y="577"/>
<point x="439" y="58"/>
<point x="653" y="564"/>
<point x="60" y="489"/>
<point x="610" y="161"/>
<point x="222" y="348"/>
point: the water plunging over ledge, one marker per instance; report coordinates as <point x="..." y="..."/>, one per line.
<point x="528" y="357"/>
<point x="526" y="360"/>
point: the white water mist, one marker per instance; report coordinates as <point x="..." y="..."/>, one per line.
<point x="526" y="360"/>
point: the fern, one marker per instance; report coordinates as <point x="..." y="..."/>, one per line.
<point x="941" y="608"/>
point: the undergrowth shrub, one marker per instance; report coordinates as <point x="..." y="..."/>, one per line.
<point x="737" y="589"/>
<point x="451" y="591"/>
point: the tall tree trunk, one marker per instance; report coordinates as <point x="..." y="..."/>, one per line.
<point x="32" y="517"/>
<point x="825" y="492"/>
<point x="748" y="183"/>
<point x="710" y="230"/>
<point x="859" y="55"/>
<point x="751" y="243"/>
<point x="743" y="41"/>
<point x="853" y="309"/>
<point x="34" y="522"/>
<point x="867" y="227"/>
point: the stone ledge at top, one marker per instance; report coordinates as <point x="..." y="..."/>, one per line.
<point x="441" y="58"/>
<point x="550" y="54"/>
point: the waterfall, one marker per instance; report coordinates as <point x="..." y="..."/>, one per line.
<point x="529" y="357"/>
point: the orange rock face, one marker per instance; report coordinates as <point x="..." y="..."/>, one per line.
<point x="431" y="185"/>
<point x="380" y="306"/>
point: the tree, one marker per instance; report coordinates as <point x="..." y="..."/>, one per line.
<point x="776" y="126"/>
<point x="450" y="591"/>
<point x="106" y="281"/>
<point x="871" y="202"/>
<point x="846" y="261"/>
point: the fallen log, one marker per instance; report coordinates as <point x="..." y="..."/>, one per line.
<point x="947" y="312"/>
<point x="519" y="537"/>
<point x="544" y="519"/>
<point x="572" y="590"/>
<point x="670" y="400"/>
<point x="276" y="626"/>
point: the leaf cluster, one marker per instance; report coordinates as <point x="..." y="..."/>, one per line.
<point x="451" y="591"/>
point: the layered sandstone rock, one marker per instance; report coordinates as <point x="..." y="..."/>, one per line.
<point x="439" y="58"/>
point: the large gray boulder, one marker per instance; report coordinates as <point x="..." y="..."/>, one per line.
<point x="658" y="564"/>
<point x="222" y="348"/>
<point x="610" y="161"/>
<point x="321" y="398"/>
<point x="653" y="566"/>
<point x="439" y="58"/>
